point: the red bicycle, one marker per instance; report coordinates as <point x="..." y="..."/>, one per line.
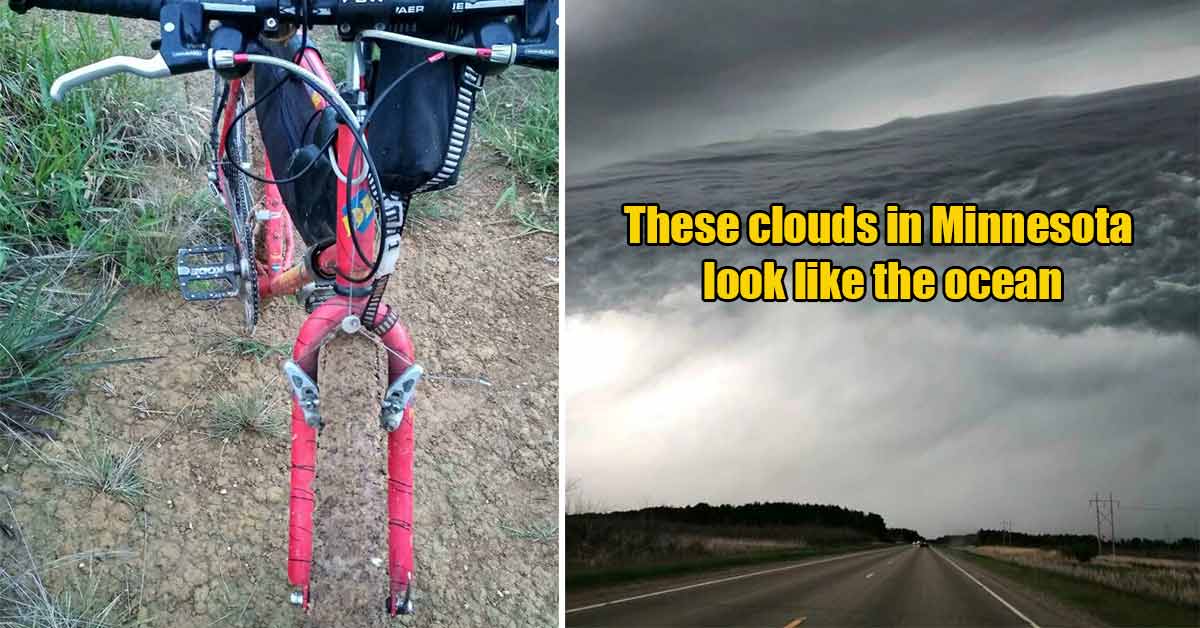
<point x="342" y="278"/>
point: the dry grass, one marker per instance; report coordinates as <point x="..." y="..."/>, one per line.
<point x="1172" y="580"/>
<point x="26" y="601"/>
<point x="727" y="545"/>
<point x="96" y="468"/>
<point x="233" y="415"/>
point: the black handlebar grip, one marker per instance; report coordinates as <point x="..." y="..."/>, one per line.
<point x="144" y="9"/>
<point x="543" y="56"/>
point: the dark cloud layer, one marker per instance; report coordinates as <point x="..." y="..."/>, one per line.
<point x="672" y="73"/>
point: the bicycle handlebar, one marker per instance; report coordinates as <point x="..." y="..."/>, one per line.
<point x="433" y="13"/>
<point x="184" y="22"/>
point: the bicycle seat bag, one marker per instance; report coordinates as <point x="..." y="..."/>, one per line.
<point x="288" y="123"/>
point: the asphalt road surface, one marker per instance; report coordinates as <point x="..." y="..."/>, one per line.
<point x="900" y="586"/>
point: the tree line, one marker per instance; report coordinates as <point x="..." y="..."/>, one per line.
<point x="758" y="514"/>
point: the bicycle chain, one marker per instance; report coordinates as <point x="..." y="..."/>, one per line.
<point x="247" y="254"/>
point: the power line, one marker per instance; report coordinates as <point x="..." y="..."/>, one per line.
<point x="1158" y="508"/>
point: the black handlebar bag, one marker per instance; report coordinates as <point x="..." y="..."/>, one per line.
<point x="418" y="135"/>
<point x="421" y="129"/>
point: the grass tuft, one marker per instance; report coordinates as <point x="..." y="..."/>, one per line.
<point x="39" y="330"/>
<point x="243" y="347"/>
<point x="434" y="206"/>
<point x="25" y="603"/>
<point x="230" y="416"/>
<point x="531" y="219"/>
<point x="539" y="532"/>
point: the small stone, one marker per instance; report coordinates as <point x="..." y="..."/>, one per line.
<point x="378" y="562"/>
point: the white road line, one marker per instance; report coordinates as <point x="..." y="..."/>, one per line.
<point x="993" y="593"/>
<point x="720" y="580"/>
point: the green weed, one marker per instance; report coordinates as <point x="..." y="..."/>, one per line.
<point x="242" y="347"/>
<point x="538" y="532"/>
<point x="72" y="173"/>
<point x="532" y="219"/>
<point x="518" y="116"/>
<point x="37" y="339"/>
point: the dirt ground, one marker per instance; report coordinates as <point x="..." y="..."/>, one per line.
<point x="209" y="545"/>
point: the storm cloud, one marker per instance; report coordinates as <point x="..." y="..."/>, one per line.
<point x="650" y="77"/>
<point x="941" y="417"/>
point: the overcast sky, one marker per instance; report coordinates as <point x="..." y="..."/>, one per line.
<point x="944" y="418"/>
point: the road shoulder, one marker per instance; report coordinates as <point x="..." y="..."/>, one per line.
<point x="1043" y="609"/>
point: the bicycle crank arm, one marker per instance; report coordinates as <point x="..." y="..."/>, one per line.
<point x="154" y="67"/>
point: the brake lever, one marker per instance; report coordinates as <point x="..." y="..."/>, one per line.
<point x="154" y="67"/>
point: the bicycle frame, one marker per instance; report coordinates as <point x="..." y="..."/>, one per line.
<point x="281" y="275"/>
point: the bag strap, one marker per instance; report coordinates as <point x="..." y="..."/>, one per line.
<point x="460" y="129"/>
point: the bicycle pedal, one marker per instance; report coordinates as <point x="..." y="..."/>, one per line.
<point x="207" y="273"/>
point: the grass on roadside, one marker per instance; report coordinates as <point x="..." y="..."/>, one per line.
<point x="1113" y="606"/>
<point x="233" y="415"/>
<point x="72" y="174"/>
<point x="578" y="578"/>
<point x="518" y="116"/>
<point x="77" y="213"/>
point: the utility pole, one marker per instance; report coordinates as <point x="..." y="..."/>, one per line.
<point x="1097" y="501"/>
<point x="1112" y="524"/>
<point x="1006" y="525"/>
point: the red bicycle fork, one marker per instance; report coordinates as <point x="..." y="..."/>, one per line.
<point x="396" y="417"/>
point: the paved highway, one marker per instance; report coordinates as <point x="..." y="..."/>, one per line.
<point x="900" y="586"/>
